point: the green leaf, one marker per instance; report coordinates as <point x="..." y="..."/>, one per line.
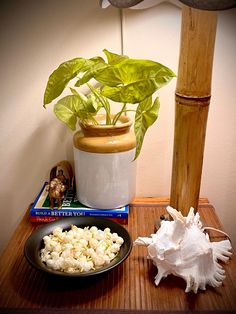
<point x="114" y="58"/>
<point x="97" y="59"/>
<point x="146" y="115"/>
<point x="104" y="103"/>
<point x="73" y="91"/>
<point x="103" y="73"/>
<point x="92" y="99"/>
<point x="134" y="70"/>
<point x="134" y="74"/>
<point x="71" y="107"/>
<point x="62" y="75"/>
<point x="132" y="93"/>
<point x="82" y="97"/>
<point x="108" y="75"/>
<point x="91" y="73"/>
<point x="91" y="106"/>
<point x="85" y="108"/>
<point x="65" y="111"/>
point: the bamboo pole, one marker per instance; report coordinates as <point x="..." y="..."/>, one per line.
<point x="193" y="92"/>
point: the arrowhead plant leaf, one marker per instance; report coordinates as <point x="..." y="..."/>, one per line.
<point x="63" y="74"/>
<point x="65" y="111"/>
<point x="130" y="71"/>
<point x="91" y="72"/>
<point x="146" y="115"/>
<point x="114" y="58"/>
<point x="132" y="93"/>
<point x="73" y="107"/>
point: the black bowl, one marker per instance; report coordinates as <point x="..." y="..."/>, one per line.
<point x="34" y="243"/>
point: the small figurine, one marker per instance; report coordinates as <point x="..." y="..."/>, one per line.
<point x="56" y="191"/>
<point x="61" y="179"/>
<point x="61" y="176"/>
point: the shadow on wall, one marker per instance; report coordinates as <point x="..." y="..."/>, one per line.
<point x="28" y="168"/>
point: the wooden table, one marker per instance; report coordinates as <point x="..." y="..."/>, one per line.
<point x="129" y="288"/>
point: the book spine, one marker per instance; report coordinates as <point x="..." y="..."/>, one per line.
<point x="77" y="213"/>
<point x="71" y="208"/>
<point x="45" y="219"/>
<point x="39" y="194"/>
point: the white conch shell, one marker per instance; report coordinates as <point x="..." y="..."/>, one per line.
<point x="180" y="247"/>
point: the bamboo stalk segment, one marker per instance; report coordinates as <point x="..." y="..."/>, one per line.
<point x="196" y="52"/>
<point x="193" y="93"/>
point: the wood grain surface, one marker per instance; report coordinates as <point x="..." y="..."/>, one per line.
<point x="127" y="288"/>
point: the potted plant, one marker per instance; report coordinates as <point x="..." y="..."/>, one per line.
<point x="101" y="169"/>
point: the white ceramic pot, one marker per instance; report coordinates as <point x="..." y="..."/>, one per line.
<point x="105" y="171"/>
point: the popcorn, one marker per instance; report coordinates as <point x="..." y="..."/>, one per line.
<point x="80" y="249"/>
<point x="115" y="248"/>
<point x="119" y="240"/>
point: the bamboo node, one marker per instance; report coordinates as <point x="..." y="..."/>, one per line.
<point x="192" y="101"/>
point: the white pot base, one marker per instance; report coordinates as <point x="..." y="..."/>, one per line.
<point x="105" y="181"/>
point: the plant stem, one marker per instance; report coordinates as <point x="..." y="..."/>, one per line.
<point x="108" y="111"/>
<point x="117" y="116"/>
<point x="94" y="121"/>
<point x="103" y="101"/>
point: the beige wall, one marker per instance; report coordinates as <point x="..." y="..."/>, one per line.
<point x="36" y="36"/>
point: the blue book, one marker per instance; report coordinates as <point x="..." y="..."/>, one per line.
<point x="71" y="207"/>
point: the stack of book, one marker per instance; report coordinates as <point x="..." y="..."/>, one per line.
<point x="40" y="211"/>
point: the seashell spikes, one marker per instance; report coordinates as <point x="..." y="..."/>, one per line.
<point x="182" y="248"/>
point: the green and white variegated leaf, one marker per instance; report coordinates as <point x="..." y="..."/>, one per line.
<point x="91" y="73"/>
<point x="74" y="91"/>
<point x="114" y="58"/>
<point x="96" y="70"/>
<point x="130" y="71"/>
<point x="146" y="115"/>
<point x="63" y="74"/>
<point x="85" y="108"/>
<point x="131" y="80"/>
<point x="71" y="107"/>
<point x="102" y="101"/>
<point x="65" y="111"/>
<point x="82" y="97"/>
<point x="132" y="93"/>
<point x="102" y="71"/>
<point x="92" y="99"/>
<point x="99" y="63"/>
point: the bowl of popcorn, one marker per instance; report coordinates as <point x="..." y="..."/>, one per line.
<point x="78" y="247"/>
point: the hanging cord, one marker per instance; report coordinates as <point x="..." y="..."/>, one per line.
<point x="220" y="231"/>
<point x="121" y="31"/>
<point x="122" y="40"/>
